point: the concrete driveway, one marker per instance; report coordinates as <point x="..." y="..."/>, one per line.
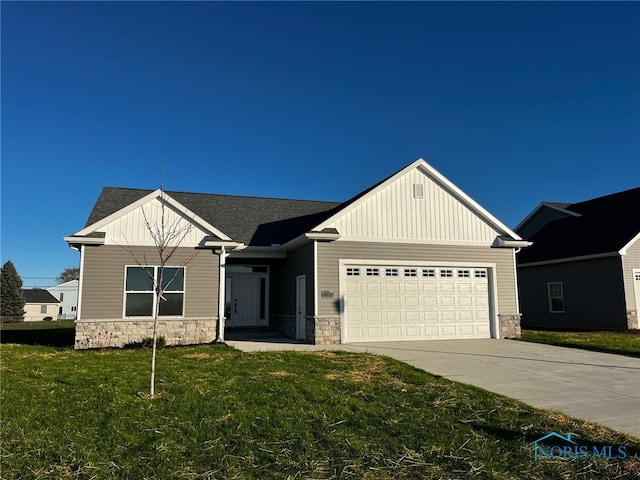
<point x="598" y="387"/>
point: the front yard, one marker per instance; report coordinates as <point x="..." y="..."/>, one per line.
<point x="621" y="343"/>
<point x="227" y="414"/>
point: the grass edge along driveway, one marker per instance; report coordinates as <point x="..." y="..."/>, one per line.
<point x="229" y="414"/>
<point x="619" y="343"/>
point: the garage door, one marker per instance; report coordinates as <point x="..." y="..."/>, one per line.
<point x="385" y="302"/>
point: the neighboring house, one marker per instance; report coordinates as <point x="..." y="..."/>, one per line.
<point x="39" y="305"/>
<point x="67" y="295"/>
<point x="412" y="257"/>
<point x="583" y="270"/>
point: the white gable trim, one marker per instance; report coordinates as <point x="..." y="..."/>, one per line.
<point x="437" y="177"/>
<point x="143" y="201"/>
<point x="623" y="250"/>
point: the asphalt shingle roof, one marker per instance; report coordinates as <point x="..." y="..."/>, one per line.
<point x="255" y="221"/>
<point x="37" y="295"/>
<point x="606" y="224"/>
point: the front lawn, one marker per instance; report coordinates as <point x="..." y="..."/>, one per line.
<point x="627" y="343"/>
<point x="232" y="415"/>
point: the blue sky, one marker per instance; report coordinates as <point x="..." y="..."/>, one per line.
<point x="514" y="102"/>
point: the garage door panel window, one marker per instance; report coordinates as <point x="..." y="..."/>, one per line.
<point x="410" y="272"/>
<point x="446" y="273"/>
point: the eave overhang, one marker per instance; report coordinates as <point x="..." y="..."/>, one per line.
<point x="507" y="242"/>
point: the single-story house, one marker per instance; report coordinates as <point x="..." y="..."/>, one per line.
<point x="39" y="305"/>
<point x="412" y="257"/>
<point x="583" y="270"/>
<point x="67" y="295"/>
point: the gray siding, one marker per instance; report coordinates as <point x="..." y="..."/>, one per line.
<point x="539" y="220"/>
<point x="593" y="295"/>
<point x="298" y="262"/>
<point x="103" y="280"/>
<point x="630" y="261"/>
<point x="330" y="253"/>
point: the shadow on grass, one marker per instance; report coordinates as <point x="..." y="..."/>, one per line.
<point x="50" y="337"/>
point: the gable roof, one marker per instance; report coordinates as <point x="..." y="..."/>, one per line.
<point x="600" y="226"/>
<point x="37" y="295"/>
<point x="260" y="221"/>
<point x="254" y="221"/>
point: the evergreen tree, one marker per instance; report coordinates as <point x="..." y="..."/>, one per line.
<point x="12" y="299"/>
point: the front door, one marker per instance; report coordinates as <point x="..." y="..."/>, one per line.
<point x="244" y="300"/>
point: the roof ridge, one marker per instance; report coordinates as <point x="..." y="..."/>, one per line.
<point x="225" y="195"/>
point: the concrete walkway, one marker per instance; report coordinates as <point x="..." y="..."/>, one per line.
<point x="598" y="387"/>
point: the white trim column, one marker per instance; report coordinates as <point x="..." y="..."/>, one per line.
<point x="222" y="283"/>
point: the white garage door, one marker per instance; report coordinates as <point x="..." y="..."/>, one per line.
<point x="415" y="303"/>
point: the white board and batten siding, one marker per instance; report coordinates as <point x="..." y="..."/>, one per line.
<point x="414" y="207"/>
<point x="131" y="228"/>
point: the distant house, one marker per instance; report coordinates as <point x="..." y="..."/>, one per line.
<point x="40" y="305"/>
<point x="412" y="257"/>
<point x="67" y="295"/>
<point x="583" y="270"/>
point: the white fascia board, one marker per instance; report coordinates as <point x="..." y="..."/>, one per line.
<point x="569" y="259"/>
<point x="144" y="200"/>
<point x="322" y="236"/>
<point x="508" y="243"/>
<point x="535" y="211"/>
<point x="295" y="242"/>
<point x="623" y="250"/>
<point x="258" y="252"/>
<point x="431" y="172"/>
<point x="222" y="243"/>
<point x="77" y="240"/>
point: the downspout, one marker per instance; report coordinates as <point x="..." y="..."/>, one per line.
<point x="222" y="283"/>
<point x="515" y="277"/>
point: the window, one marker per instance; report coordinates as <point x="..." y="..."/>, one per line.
<point x="480" y="274"/>
<point x="141" y="295"/>
<point x="446" y="273"/>
<point x="556" y="297"/>
<point x="410" y="272"/>
<point x="74" y="308"/>
<point x="373" y="272"/>
<point x="463" y="274"/>
<point x="428" y="272"/>
<point x="353" y="272"/>
<point x="391" y="272"/>
<point x="43" y="309"/>
<point x="637" y="275"/>
<point x="61" y="296"/>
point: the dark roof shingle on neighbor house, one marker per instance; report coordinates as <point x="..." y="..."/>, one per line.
<point x="604" y="225"/>
<point x="255" y="221"/>
<point x="37" y="295"/>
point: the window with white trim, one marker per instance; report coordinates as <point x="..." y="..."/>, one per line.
<point x="43" y="309"/>
<point x="446" y="273"/>
<point x="480" y="273"/>
<point x="464" y="274"/>
<point x="140" y="294"/>
<point x="391" y="272"/>
<point x="373" y="272"/>
<point x="410" y="272"/>
<point x="428" y="272"/>
<point x="556" y="297"/>
<point x="353" y="272"/>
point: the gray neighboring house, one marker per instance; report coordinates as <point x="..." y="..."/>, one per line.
<point x="583" y="270"/>
<point x="412" y="257"/>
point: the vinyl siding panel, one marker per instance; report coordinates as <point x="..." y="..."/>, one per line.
<point x="298" y="262"/>
<point x="593" y="295"/>
<point x="394" y="213"/>
<point x="102" y="292"/>
<point x="630" y="261"/>
<point x="329" y="255"/>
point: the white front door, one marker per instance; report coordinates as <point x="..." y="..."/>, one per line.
<point x="244" y="300"/>
<point x="301" y="307"/>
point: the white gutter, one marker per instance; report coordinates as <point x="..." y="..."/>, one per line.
<point x="501" y="242"/>
<point x="570" y="259"/>
<point x="73" y="240"/>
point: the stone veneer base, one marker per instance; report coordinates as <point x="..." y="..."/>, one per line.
<point x="510" y="325"/>
<point x="122" y="332"/>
